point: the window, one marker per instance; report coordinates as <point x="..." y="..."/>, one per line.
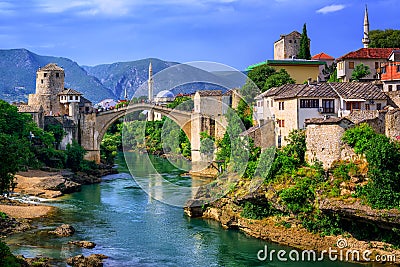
<point x="328" y="105"/>
<point x="281" y="105"/>
<point x="390" y="88"/>
<point x="57" y="74"/>
<point x="267" y="103"/>
<point x="272" y="103"/>
<point x="398" y="68"/>
<point x="41" y="81"/>
<point x="71" y="97"/>
<point x="376" y="65"/>
<point x="398" y="87"/>
<point x="309" y="103"/>
<point x="290" y="41"/>
<point x="379" y="106"/>
<point x="281" y="123"/>
<point x="295" y="41"/>
<point x="351" y="65"/>
<point x="353" y="105"/>
<point x="76" y="97"/>
<point x="367" y="107"/>
<point x="45" y="75"/>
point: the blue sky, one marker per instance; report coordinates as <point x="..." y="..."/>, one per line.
<point x="237" y="33"/>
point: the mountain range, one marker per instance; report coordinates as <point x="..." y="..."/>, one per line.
<point x="18" y="73"/>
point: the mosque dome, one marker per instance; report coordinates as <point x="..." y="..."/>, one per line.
<point x="165" y="94"/>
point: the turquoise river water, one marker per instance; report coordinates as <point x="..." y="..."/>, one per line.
<point x="135" y="230"/>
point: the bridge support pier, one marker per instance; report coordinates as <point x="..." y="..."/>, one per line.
<point x="93" y="155"/>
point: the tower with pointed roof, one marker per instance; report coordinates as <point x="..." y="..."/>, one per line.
<point x="365" y="39"/>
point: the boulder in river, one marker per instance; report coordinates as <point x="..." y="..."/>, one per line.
<point x="64" y="230"/>
<point x="94" y="260"/>
<point x="83" y="244"/>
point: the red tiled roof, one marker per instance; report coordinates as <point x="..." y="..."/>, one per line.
<point x="322" y="56"/>
<point x="368" y="53"/>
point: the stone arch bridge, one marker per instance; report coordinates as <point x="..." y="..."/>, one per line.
<point x="94" y="126"/>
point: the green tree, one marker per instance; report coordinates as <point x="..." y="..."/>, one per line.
<point x="207" y="144"/>
<point x="388" y="38"/>
<point x="262" y="78"/>
<point x="260" y="74"/>
<point x="184" y="103"/>
<point x="304" y="52"/>
<point x="57" y="131"/>
<point x="296" y="146"/>
<point x="359" y="72"/>
<point x="75" y="154"/>
<point x="277" y="79"/>
<point x="329" y="72"/>
<point x="109" y="147"/>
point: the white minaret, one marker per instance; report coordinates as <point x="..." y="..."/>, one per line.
<point x="150" y="83"/>
<point x="366" y="40"/>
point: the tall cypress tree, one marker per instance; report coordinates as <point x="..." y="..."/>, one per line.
<point x="304" y="52"/>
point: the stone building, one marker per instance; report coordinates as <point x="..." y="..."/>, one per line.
<point x="291" y="105"/>
<point x="287" y="46"/>
<point x="390" y="72"/>
<point x="54" y="104"/>
<point x="49" y="83"/>
<point x="329" y="60"/>
<point x="324" y="136"/>
<point x="324" y="140"/>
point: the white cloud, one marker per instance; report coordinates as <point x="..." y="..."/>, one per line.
<point x="330" y="9"/>
<point x="6" y="8"/>
<point x="118" y="7"/>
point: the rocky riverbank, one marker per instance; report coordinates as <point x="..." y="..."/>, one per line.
<point x="19" y="209"/>
<point x="286" y="229"/>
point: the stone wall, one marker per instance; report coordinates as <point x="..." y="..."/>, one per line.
<point x="392" y="124"/>
<point x="264" y="136"/>
<point x="324" y="143"/>
<point x="375" y="118"/>
<point x="393" y="99"/>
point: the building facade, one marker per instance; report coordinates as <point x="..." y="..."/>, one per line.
<point x="291" y="105"/>
<point x="329" y="61"/>
<point x="299" y="69"/>
<point x="287" y="46"/>
<point x="371" y="57"/>
<point x="390" y="72"/>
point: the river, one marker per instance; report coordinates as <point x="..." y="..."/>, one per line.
<point x="135" y="230"/>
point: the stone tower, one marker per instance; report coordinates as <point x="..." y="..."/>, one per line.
<point x="49" y="83"/>
<point x="366" y="40"/>
<point x="150" y="84"/>
<point x="288" y="46"/>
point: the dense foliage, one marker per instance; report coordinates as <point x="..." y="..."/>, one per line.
<point x="262" y="78"/>
<point x="184" y="103"/>
<point x="22" y="144"/>
<point x="359" y="72"/>
<point x="383" y="157"/>
<point x="155" y="137"/>
<point x="385" y="38"/>
<point x="8" y="259"/>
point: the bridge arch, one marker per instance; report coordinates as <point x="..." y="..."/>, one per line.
<point x="102" y="121"/>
